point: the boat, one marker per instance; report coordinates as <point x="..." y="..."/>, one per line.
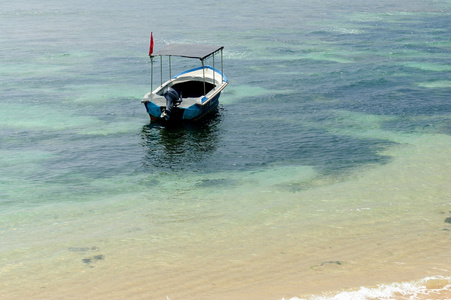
<point x="191" y="94"/>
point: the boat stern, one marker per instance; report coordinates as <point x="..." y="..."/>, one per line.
<point x="153" y="109"/>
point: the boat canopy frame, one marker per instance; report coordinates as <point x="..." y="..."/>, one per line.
<point x="199" y="51"/>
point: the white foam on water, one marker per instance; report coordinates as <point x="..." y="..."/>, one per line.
<point x="345" y="31"/>
<point x="436" y="287"/>
<point x="429" y="66"/>
<point x="436" y="84"/>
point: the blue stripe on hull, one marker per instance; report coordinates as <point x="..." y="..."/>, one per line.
<point x="212" y="104"/>
<point x="193" y="113"/>
<point x="224" y="78"/>
<point x="153" y="110"/>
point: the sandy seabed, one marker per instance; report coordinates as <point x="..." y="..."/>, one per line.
<point x="384" y="225"/>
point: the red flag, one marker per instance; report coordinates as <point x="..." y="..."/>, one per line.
<point x="151" y="44"/>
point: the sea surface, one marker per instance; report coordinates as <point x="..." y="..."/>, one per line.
<point x="324" y="174"/>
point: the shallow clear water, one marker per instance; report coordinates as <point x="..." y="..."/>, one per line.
<point x="325" y="168"/>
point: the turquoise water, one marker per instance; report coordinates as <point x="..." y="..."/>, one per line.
<point x="334" y="130"/>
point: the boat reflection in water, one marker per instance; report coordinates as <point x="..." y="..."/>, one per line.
<point x="182" y="146"/>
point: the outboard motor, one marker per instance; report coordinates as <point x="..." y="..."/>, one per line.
<point x="172" y="101"/>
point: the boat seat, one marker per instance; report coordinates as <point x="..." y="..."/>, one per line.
<point x="192" y="89"/>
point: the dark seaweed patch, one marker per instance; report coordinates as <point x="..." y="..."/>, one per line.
<point x="331" y="262"/>
<point x="86" y="260"/>
<point x="337" y="262"/>
<point x="214" y="183"/>
<point x="93" y="259"/>
<point x="83" y="249"/>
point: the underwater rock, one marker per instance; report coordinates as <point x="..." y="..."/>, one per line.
<point x="448" y="220"/>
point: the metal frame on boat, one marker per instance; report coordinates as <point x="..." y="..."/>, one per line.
<point x="191" y="94"/>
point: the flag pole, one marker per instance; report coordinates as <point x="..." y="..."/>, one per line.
<point x="151" y="73"/>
